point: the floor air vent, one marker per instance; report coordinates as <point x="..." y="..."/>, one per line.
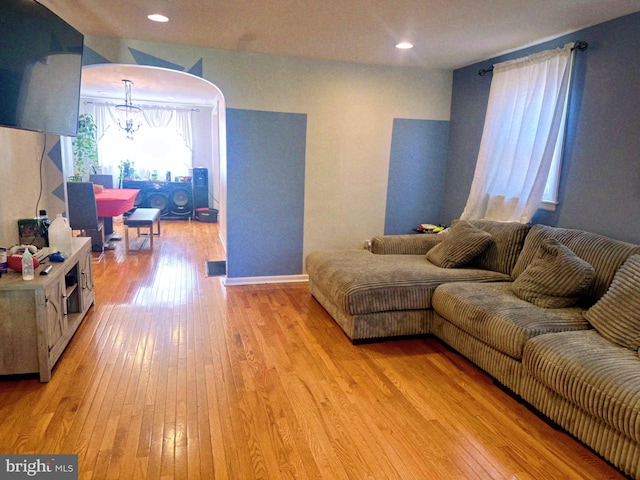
<point x="216" y="268"/>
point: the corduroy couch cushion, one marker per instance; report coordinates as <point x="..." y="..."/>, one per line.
<point x="459" y="246"/>
<point x="361" y="282"/>
<point x="604" y="254"/>
<point x="507" y="239"/>
<point x="599" y="376"/>
<point x="556" y="278"/>
<point x="616" y="316"/>
<point x="495" y="315"/>
<point x="409" y="244"/>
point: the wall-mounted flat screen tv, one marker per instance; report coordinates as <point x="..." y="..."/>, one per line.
<point x="40" y="69"/>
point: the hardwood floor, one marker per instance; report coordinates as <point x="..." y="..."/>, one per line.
<point x="172" y="375"/>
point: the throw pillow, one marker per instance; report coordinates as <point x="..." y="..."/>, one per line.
<point x="502" y="253"/>
<point x="556" y="278"/>
<point x="459" y="246"/>
<point x="616" y="316"/>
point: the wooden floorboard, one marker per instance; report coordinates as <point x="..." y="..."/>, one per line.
<point x="174" y="376"/>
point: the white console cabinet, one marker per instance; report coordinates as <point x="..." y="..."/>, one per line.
<point x="39" y="317"/>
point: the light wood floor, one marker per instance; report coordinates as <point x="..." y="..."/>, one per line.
<point x="172" y="375"/>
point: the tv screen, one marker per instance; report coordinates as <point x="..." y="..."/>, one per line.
<point x="40" y="69"/>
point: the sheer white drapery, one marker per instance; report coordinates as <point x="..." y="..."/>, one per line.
<point x="106" y="116"/>
<point x="146" y="149"/>
<point x="158" y="117"/>
<point x="184" y="128"/>
<point x="103" y="118"/>
<point x="523" y="131"/>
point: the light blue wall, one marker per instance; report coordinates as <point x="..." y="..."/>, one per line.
<point x="600" y="183"/>
<point x="265" y="195"/>
<point x="345" y="149"/>
<point x="416" y="174"/>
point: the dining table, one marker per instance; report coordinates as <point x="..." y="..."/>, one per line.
<point x="112" y="202"/>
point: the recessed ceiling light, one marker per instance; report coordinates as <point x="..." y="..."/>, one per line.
<point x="156" y="17"/>
<point x="404" y="45"/>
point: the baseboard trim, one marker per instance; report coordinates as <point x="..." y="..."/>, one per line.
<point x="230" y="282"/>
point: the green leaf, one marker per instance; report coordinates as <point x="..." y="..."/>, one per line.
<point x="85" y="147"/>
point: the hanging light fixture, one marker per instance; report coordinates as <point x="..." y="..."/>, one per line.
<point x="130" y="111"/>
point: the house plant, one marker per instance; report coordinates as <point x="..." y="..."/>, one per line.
<point x="85" y="148"/>
<point x="126" y="170"/>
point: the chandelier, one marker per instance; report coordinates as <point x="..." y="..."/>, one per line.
<point x="129" y="124"/>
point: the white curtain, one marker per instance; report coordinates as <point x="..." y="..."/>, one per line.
<point x="147" y="151"/>
<point x="157" y="117"/>
<point x="183" y="127"/>
<point x="102" y="117"/>
<point x="523" y="130"/>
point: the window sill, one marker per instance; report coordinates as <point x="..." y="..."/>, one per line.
<point x="548" y="206"/>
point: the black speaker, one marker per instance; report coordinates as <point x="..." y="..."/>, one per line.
<point x="200" y="177"/>
<point x="140" y="200"/>
<point x="200" y="187"/>
<point x="159" y="200"/>
<point x="181" y="201"/>
<point x="140" y="185"/>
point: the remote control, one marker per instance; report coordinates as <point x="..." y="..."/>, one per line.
<point x="46" y="270"/>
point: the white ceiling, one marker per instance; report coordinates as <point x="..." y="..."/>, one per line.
<point x="447" y="34"/>
<point x="150" y="84"/>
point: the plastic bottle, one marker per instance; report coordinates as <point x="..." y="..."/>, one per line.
<point x="60" y="235"/>
<point x="27" y="265"/>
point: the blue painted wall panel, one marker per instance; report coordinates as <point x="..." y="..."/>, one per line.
<point x="265" y="193"/>
<point x="600" y="182"/>
<point x="416" y="174"/>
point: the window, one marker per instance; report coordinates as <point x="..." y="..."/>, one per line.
<point x="160" y="148"/>
<point x="523" y="138"/>
<point x="550" y="195"/>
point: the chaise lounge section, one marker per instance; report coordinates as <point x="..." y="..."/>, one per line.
<point x="386" y="292"/>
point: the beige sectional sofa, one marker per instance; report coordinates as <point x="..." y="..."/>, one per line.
<point x="553" y="314"/>
<point x="386" y="292"/>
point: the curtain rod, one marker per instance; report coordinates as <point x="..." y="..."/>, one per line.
<point x="579" y="45"/>
<point x="145" y="107"/>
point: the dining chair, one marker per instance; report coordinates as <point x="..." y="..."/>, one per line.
<point x="102" y="179"/>
<point x="83" y="213"/>
<point x="106" y="181"/>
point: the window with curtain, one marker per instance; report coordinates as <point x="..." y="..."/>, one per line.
<point x="521" y="148"/>
<point x="159" y="149"/>
<point x="162" y="144"/>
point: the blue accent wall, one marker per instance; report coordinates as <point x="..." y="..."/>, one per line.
<point x="600" y="183"/>
<point x="416" y="174"/>
<point x="143" y="58"/>
<point x="265" y="192"/>
<point x="91" y="57"/>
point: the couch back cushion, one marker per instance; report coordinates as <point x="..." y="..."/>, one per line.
<point x="604" y="254"/>
<point x="507" y="241"/>
<point x="616" y="315"/>
<point x="556" y="278"/>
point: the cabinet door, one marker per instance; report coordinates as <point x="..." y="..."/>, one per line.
<point x="56" y="317"/>
<point x="86" y="280"/>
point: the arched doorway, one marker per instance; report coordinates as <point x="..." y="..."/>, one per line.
<point x="171" y="88"/>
